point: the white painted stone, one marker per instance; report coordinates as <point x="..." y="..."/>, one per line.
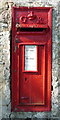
<point x="5" y="112"/>
<point x="5" y="27"/>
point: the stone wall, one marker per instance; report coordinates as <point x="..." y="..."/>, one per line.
<point x="5" y="38"/>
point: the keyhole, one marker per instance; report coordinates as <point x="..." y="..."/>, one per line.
<point x="25" y="79"/>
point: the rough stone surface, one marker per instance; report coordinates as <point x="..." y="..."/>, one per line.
<point x="5" y="37"/>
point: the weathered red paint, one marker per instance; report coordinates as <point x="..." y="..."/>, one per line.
<point x="31" y="90"/>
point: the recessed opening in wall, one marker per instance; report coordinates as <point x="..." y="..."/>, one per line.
<point x="31" y="60"/>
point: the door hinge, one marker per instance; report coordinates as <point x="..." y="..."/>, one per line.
<point x="15" y="48"/>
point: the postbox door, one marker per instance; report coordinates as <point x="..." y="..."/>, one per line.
<point x="32" y="74"/>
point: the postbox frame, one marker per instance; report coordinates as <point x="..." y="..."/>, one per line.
<point x="15" y="83"/>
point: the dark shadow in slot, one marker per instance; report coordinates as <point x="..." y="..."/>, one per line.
<point x="31" y="29"/>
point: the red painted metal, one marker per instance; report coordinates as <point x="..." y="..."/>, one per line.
<point x="31" y="90"/>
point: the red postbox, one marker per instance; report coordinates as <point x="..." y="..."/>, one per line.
<point x="31" y="58"/>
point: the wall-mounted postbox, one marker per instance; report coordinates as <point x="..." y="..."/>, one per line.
<point x="31" y="58"/>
